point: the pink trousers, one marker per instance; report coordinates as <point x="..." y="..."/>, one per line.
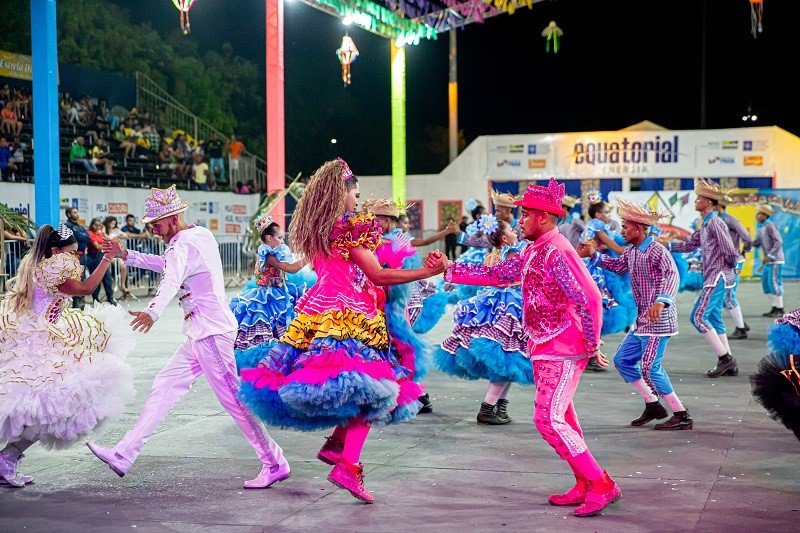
<point x="554" y="414"/>
<point x="212" y="356"/>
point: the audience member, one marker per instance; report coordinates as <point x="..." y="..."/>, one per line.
<point x="10" y="121"/>
<point x="78" y="155"/>
<point x="235" y="147"/>
<point x="200" y="173"/>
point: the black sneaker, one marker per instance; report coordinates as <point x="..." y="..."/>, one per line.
<point x="427" y="406"/>
<point x="652" y="411"/>
<point x="776" y="312"/>
<point x="769" y="313"/>
<point x="738" y="334"/>
<point x="679" y="420"/>
<point x="726" y="366"/>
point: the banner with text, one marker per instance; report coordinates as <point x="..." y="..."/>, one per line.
<point x="747" y="152"/>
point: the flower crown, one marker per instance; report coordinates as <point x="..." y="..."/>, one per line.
<point x="262" y="221"/>
<point x="487" y="223"/>
<point x="346" y="172"/>
<point x="594" y="197"/>
<point x="471" y="204"/>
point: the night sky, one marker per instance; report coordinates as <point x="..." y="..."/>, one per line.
<point x="620" y="62"/>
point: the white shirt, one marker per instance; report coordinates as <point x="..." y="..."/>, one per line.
<point x="192" y="270"/>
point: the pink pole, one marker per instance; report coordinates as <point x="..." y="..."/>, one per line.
<point x="276" y="132"/>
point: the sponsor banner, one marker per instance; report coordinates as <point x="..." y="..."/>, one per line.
<point x="747" y="152"/>
<point x="17" y="66"/>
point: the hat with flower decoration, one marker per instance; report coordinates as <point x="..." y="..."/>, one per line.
<point x="641" y="214"/>
<point x="262" y="221"/>
<point x="163" y="203"/>
<point x="547" y="199"/>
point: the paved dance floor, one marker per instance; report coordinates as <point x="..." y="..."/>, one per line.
<point x="738" y="470"/>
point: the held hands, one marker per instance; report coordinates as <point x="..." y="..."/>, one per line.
<point x="586" y="249"/>
<point x="436" y="260"/>
<point x="111" y="247"/>
<point x="452" y="228"/>
<point x="665" y="238"/>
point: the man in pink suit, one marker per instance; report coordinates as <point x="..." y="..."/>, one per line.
<point x="562" y="315"/>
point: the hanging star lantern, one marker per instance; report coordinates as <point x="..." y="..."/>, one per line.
<point x="552" y="33"/>
<point x="184" y="6"/>
<point x="347" y="53"/>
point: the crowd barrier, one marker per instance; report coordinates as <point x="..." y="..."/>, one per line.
<point x="238" y="261"/>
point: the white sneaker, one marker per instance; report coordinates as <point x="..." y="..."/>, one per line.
<point x="270" y="474"/>
<point x="115" y="461"/>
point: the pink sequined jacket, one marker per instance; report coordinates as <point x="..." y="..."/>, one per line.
<point x="562" y="306"/>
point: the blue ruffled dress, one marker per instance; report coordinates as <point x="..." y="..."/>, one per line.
<point x="488" y="340"/>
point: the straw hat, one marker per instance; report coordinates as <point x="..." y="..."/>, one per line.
<point x="641" y="214"/>
<point x="503" y="199"/>
<point x="382" y="206"/>
<point x="765" y="209"/>
<point x="709" y="189"/>
<point x="569" y="201"/>
<point x="163" y="203"/>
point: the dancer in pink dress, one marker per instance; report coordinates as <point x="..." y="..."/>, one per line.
<point x="333" y="367"/>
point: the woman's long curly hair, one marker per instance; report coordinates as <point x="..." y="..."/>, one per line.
<point x="320" y="206"/>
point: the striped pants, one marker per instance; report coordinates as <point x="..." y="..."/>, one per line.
<point x="639" y="357"/>
<point x="554" y="413"/>
<point x="707" y="311"/>
<point x="772" y="279"/>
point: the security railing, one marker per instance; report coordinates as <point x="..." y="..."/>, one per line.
<point x="238" y="260"/>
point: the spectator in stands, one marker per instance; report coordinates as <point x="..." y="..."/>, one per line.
<point x="94" y="254"/>
<point x="76" y="115"/>
<point x="8" y="168"/>
<point x="216" y="160"/>
<point x="10" y="122"/>
<point x="18" y="150"/>
<point x="241" y="188"/>
<point x="127" y="141"/>
<point x="82" y="236"/>
<point x="102" y="156"/>
<point x="167" y="161"/>
<point x="5" y="95"/>
<point x="22" y="102"/>
<point x="235" y="147"/>
<point x="78" y="155"/>
<point x="200" y="173"/>
<point x="152" y="138"/>
<point x="64" y="105"/>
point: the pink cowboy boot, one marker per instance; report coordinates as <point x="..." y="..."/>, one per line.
<point x="603" y="491"/>
<point x="331" y="451"/>
<point x="351" y="477"/>
<point x="574" y="496"/>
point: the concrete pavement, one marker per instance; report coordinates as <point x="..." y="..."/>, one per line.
<point x="738" y="470"/>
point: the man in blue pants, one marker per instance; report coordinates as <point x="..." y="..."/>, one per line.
<point x="719" y="259"/>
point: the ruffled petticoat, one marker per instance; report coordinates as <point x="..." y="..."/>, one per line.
<point x="327" y="369"/>
<point x="263" y="314"/>
<point x="59" y="382"/>
<point x="776" y="383"/>
<point x="488" y="341"/>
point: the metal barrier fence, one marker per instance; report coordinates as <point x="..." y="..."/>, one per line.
<point x="237" y="263"/>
